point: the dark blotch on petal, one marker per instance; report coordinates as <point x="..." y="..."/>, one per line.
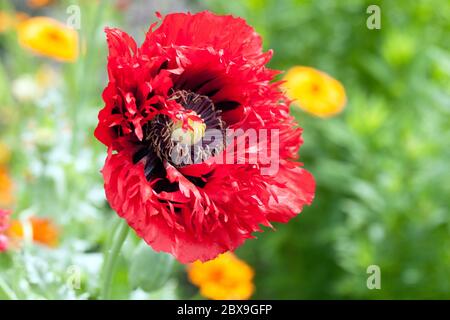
<point x="227" y="105"/>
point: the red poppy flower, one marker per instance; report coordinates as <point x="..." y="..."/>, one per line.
<point x="194" y="74"/>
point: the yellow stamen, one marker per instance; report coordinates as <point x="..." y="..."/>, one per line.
<point x="191" y="135"/>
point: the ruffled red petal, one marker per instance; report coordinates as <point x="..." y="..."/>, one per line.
<point x="226" y="34"/>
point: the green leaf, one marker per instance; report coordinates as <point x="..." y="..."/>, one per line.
<point x="5" y="261"/>
<point x="150" y="270"/>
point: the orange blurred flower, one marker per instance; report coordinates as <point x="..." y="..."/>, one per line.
<point x="43" y="230"/>
<point x="224" y="278"/>
<point x="38" y="3"/>
<point x="48" y="37"/>
<point x="10" y="21"/>
<point x="315" y="91"/>
<point x="6" y="188"/>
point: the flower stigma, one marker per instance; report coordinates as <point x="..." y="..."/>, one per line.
<point x="189" y="132"/>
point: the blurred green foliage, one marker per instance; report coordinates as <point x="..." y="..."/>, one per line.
<point x="382" y="166"/>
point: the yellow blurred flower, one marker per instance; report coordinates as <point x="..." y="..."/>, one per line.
<point x="315" y="91"/>
<point x="49" y="37"/>
<point x="43" y="230"/>
<point x="224" y="278"/>
<point x="38" y="3"/>
<point x="9" y="21"/>
<point x="6" y="188"/>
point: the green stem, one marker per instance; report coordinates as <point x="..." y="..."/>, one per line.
<point x="7" y="289"/>
<point x="111" y="255"/>
<point x="83" y="79"/>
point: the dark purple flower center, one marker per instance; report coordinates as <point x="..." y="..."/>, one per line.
<point x="202" y="136"/>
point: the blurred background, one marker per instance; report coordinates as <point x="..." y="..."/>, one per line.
<point x="381" y="165"/>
